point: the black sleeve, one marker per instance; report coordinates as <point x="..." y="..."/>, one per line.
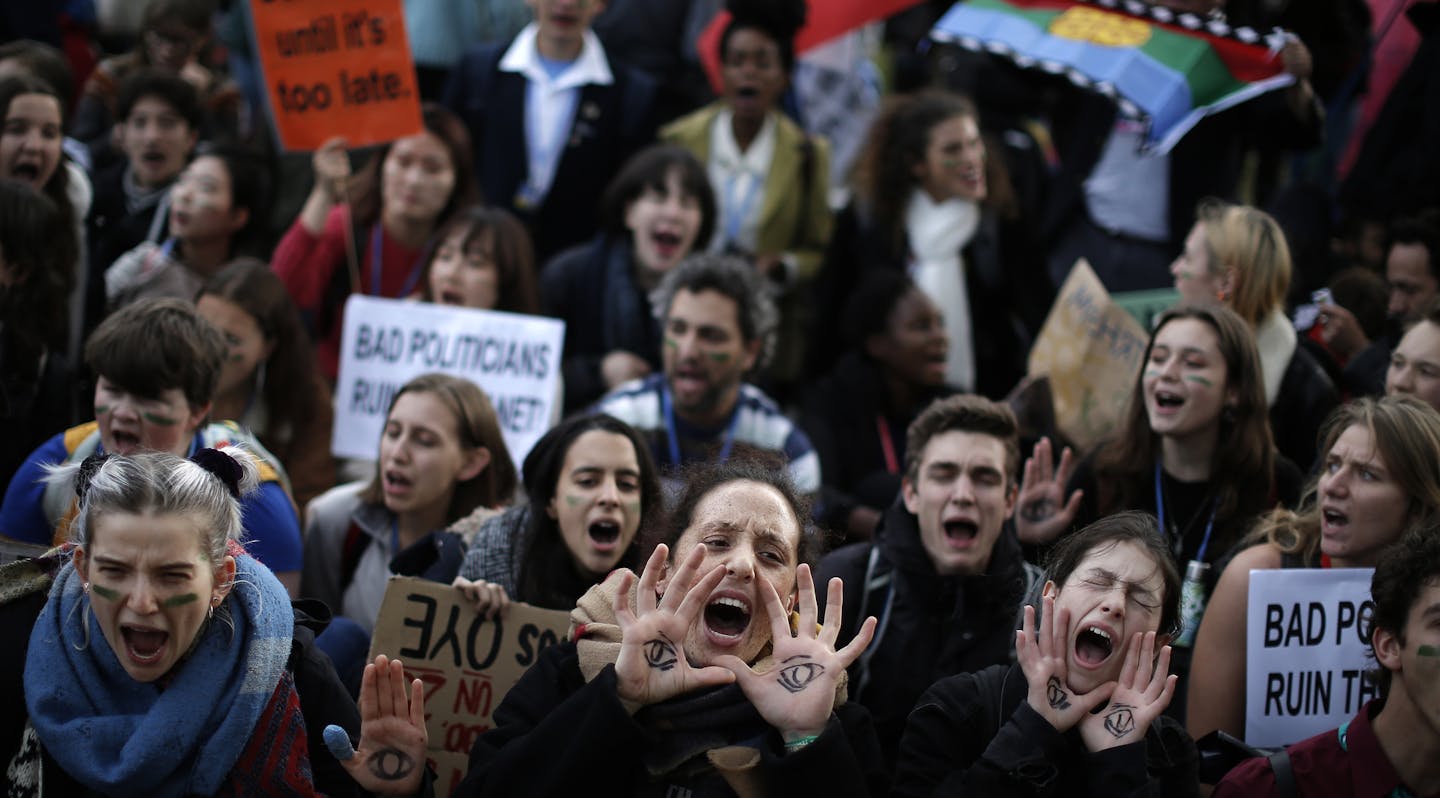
<point x="556" y="735"/>
<point x="323" y="701"/>
<point x="844" y="761"/>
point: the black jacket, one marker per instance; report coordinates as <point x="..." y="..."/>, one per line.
<point x="611" y="123"/>
<point x="1009" y="296"/>
<point x="557" y="735"/>
<point x="1307" y="395"/>
<point x="974" y="734"/>
<point x="937" y="626"/>
<point x="591" y="288"/>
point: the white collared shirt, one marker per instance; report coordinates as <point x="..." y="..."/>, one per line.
<point x="739" y="181"/>
<point x="550" y="103"/>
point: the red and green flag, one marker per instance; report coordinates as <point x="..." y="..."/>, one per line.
<point x="1168" y="68"/>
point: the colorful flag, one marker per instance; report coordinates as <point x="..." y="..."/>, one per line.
<point x="1167" y="68"/>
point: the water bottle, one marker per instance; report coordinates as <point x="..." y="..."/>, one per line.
<point x="1192" y="602"/>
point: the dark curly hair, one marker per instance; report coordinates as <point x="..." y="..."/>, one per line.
<point x="1408" y="566"/>
<point x="778" y="19"/>
<point x="746" y="464"/>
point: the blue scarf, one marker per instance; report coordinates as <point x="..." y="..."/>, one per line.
<point x="124" y="738"/>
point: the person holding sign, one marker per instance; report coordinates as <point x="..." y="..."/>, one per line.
<point x="600" y="491"/>
<point x="712" y="675"/>
<point x="1193" y="448"/>
<point x="1392" y="745"/>
<point x="441" y="457"/>
<point x="381" y="223"/>
<point x="482" y="259"/>
<point x="152" y="656"/>
<point x="1378" y="479"/>
<point x="1081" y="713"/>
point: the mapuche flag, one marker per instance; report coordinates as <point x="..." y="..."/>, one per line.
<point x="1167" y="68"/>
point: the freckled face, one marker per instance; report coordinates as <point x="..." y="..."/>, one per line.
<point x="150" y="588"/>
<point x="597" y="500"/>
<point x="130" y="423"/>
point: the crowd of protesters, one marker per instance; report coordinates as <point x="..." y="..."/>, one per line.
<point x="817" y="528"/>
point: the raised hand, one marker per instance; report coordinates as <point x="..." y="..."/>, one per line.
<point x="1042" y="657"/>
<point x="797" y="695"/>
<point x="652" y="666"/>
<point x="391" y="756"/>
<point x="1143" y="692"/>
<point x="489" y="598"/>
<point x="1042" y="512"/>
<point x="332" y="168"/>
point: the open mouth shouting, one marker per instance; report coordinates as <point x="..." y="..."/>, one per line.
<point x="397" y="484"/>
<point x="604" y="534"/>
<point x="1166" y="400"/>
<point x="450" y="296"/>
<point x="144" y="645"/>
<point x="1332" y="520"/>
<point x="726" y="619"/>
<point x="960" y="533"/>
<point x="26" y="170"/>
<point x="1093" y="646"/>
<point x="126" y="442"/>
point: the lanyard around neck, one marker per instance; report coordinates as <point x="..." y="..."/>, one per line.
<point x="377" y="264"/>
<point x="1164" y="530"/>
<point x="673" y="438"/>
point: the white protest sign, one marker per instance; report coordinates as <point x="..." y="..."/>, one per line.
<point x="515" y="358"/>
<point x="1306" y="653"/>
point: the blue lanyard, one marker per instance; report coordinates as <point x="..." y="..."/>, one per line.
<point x="1164" y="530"/>
<point x="668" y="409"/>
<point x="376" y="262"/>
<point x="734" y="215"/>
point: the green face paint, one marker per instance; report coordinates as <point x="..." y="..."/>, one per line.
<point x="163" y="421"/>
<point x="574" y="501"/>
<point x="1152" y="373"/>
<point x="1198" y="380"/>
<point x="105" y="593"/>
<point x="180" y="600"/>
<point x="1428" y="651"/>
<point x="633" y="507"/>
<point x="718" y="357"/>
<point x="101" y="410"/>
<point x="671" y="343"/>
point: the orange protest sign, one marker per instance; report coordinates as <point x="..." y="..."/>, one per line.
<point x="337" y="68"/>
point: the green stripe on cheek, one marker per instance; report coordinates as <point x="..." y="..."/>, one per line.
<point x="180" y="600"/>
<point x="105" y="593"/>
<point x="633" y="507"/>
<point x="574" y="501"/>
<point x="101" y="410"/>
<point x="1428" y="651"/>
<point x="671" y="343"/>
<point x="163" y="421"/>
<point x="1196" y="378"/>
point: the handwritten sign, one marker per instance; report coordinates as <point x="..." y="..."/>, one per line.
<point x="468" y="663"/>
<point x="1091" y="349"/>
<point x="337" y="68"/>
<point x="515" y="358"/>
<point x="1306" y="652"/>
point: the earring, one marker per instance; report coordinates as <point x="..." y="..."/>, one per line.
<point x="85" y="588"/>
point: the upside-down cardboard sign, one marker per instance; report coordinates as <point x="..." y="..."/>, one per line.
<point x="336" y="68"/>
<point x="467" y="663"/>
<point x="1091" y="348"/>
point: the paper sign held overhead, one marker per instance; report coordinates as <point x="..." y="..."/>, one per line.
<point x="513" y="357"/>
<point x="467" y="663"/>
<point x="336" y="68"/>
<point x="1306" y="654"/>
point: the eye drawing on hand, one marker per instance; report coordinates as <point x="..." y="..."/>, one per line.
<point x="799" y="676"/>
<point x="660" y="653"/>
<point x="391" y="764"/>
<point x="1056" y="695"/>
<point x="1120" y="720"/>
<point x="1038" y="510"/>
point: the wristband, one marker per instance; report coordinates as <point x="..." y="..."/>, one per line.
<point x="796" y="744"/>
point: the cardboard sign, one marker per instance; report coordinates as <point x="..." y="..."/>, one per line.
<point x="336" y="68"/>
<point x="1091" y="349"/>
<point x="515" y="358"/>
<point x="468" y="663"/>
<point x="1306" y="653"/>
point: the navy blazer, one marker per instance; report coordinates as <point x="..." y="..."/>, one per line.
<point x="611" y="123"/>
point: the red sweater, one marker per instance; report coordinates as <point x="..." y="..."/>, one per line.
<point x="306" y="263"/>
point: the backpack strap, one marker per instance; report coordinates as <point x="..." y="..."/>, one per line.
<point x="1284" y="773"/>
<point x="879" y="577"/>
<point x="350" y="552"/>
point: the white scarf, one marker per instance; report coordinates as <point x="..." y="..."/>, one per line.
<point x="937" y="233"/>
<point x="1275" y="339"/>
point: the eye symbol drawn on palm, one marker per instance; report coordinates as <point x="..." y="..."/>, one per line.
<point x="799" y="676"/>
